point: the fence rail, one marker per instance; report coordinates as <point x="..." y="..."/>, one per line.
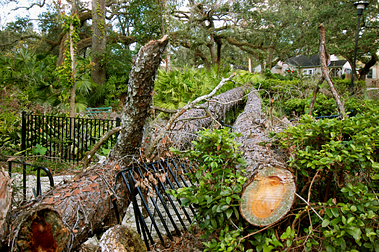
<point x="31" y="167"/>
<point x="67" y="138"/>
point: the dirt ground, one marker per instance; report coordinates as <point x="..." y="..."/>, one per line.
<point x="190" y="241"/>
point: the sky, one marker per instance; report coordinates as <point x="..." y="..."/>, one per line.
<point x="8" y="14"/>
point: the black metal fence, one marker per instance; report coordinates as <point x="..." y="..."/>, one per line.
<point x="150" y="182"/>
<point x="66" y="138"/>
<point x="25" y="166"/>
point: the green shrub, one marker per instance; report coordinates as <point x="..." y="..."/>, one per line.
<point x="336" y="167"/>
<point x="217" y="189"/>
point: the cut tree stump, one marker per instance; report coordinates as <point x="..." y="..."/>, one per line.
<point x="121" y="239"/>
<point x="268" y="197"/>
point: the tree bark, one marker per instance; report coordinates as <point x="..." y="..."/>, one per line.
<point x="121" y="239"/>
<point x="140" y="89"/>
<point x="324" y="57"/>
<point x="73" y="88"/>
<point x="5" y="205"/>
<point x="99" y="41"/>
<point x="184" y="128"/>
<point x="270" y="188"/>
<point x="365" y="70"/>
<point x="183" y="110"/>
<point x="69" y="213"/>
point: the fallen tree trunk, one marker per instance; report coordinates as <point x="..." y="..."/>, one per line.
<point x="183" y="130"/>
<point x="5" y="205"/>
<point x="68" y="214"/>
<point x="135" y="112"/>
<point x="270" y="189"/>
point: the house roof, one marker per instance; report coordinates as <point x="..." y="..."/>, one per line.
<point x="305" y="61"/>
<point x="337" y="63"/>
<point x="312" y="61"/>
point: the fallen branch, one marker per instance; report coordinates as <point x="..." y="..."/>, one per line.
<point x="169" y="111"/>
<point x="184" y="109"/>
<point x="87" y="158"/>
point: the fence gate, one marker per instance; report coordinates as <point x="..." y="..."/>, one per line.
<point x="66" y="138"/>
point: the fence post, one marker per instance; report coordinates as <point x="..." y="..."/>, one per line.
<point x="118" y="123"/>
<point x="23" y="149"/>
<point x="23" y="133"/>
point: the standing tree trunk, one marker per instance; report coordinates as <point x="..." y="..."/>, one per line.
<point x="73" y="88"/>
<point x="325" y="58"/>
<point x="99" y="41"/>
<point x="68" y="214"/>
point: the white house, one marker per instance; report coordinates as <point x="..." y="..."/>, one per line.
<point x="311" y="65"/>
<point x="372" y="78"/>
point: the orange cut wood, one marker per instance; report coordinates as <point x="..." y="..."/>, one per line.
<point x="268" y="197"/>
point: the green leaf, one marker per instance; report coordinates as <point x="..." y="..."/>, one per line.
<point x="351" y="219"/>
<point x="222" y="208"/>
<point x="355" y="232"/>
<point x="325" y="223"/>
<point x="185" y="202"/>
<point x="228" y="191"/>
<point x="236" y="213"/>
<point x="335" y="211"/>
<point x="289" y="243"/>
<point x="214" y="223"/>
<point x="229" y="212"/>
<point x="228" y="200"/>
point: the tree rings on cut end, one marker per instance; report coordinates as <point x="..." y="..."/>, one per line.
<point x="268" y="197"/>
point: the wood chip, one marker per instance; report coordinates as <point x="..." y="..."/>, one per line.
<point x="93" y="178"/>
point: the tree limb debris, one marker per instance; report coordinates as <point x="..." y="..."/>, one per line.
<point x="87" y="158"/>
<point x="181" y="112"/>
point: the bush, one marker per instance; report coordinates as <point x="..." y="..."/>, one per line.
<point x="336" y="162"/>
<point x="219" y="183"/>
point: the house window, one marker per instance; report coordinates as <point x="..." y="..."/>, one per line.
<point x="310" y="72"/>
<point x="347" y="71"/>
<point x="369" y="75"/>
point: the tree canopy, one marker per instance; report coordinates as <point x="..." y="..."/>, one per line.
<point x="203" y="32"/>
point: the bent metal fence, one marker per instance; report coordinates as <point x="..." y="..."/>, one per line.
<point x="164" y="215"/>
<point x="66" y="138"/>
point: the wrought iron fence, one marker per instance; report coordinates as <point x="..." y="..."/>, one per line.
<point x="25" y="166"/>
<point x="67" y="138"/>
<point x="150" y="182"/>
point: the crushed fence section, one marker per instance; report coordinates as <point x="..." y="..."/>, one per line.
<point x="25" y="166"/>
<point x="157" y="213"/>
<point x="66" y="138"/>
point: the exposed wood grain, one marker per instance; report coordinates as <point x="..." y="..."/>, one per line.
<point x="268" y="197"/>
